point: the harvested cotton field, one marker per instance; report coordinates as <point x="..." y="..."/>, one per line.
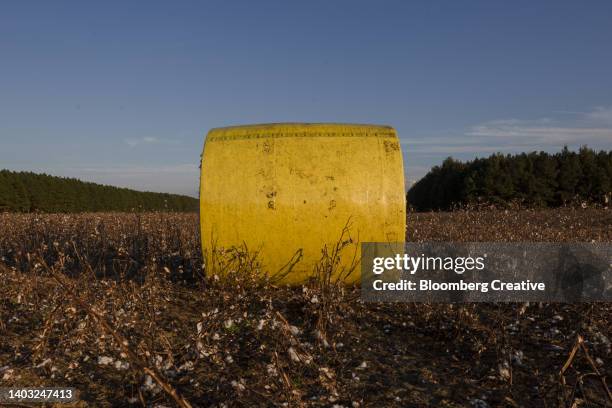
<point x="119" y="307"/>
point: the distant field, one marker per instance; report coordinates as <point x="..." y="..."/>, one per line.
<point x="155" y="326"/>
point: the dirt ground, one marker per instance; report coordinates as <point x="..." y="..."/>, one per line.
<point x="117" y="306"/>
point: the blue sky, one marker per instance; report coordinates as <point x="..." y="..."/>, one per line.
<point x="123" y="93"/>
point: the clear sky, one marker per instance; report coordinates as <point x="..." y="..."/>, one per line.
<point x="123" y="93"/>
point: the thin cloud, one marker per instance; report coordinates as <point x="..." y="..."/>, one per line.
<point x="148" y="140"/>
<point x="601" y="114"/>
<point x="129" y="170"/>
<point x="593" y="128"/>
<point x="449" y="149"/>
<point x="133" y="142"/>
<point x="543" y="134"/>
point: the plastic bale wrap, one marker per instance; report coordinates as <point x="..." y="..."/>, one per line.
<point x="286" y="191"/>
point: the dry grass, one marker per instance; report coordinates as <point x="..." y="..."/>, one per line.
<point x="117" y="306"/>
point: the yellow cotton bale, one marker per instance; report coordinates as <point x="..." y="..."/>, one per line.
<point x="290" y="189"/>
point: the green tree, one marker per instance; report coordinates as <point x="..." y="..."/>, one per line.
<point x="536" y="179"/>
<point x="24" y="191"/>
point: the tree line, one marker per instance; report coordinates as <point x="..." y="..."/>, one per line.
<point x="536" y="179"/>
<point x="29" y="192"/>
